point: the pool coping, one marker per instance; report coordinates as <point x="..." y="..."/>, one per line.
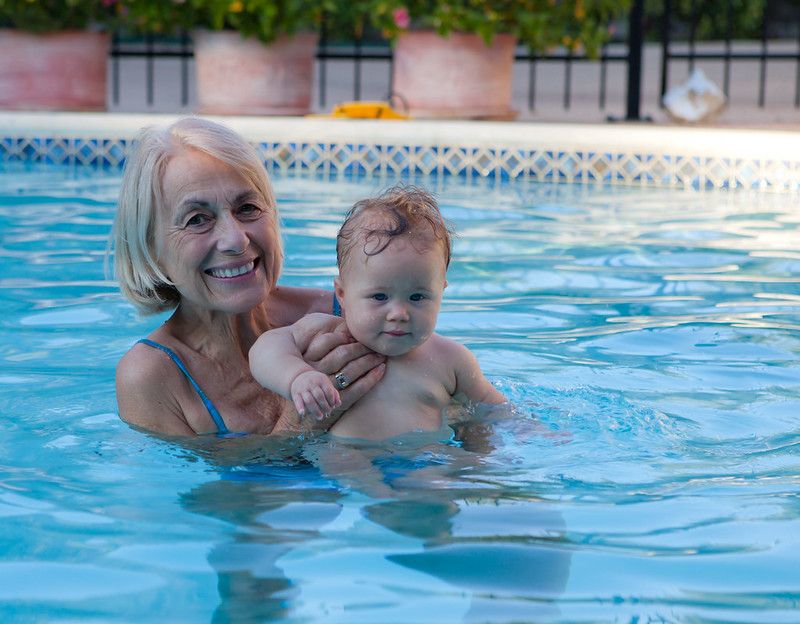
<point x="625" y="154"/>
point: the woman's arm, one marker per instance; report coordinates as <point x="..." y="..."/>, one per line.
<point x="288" y="304"/>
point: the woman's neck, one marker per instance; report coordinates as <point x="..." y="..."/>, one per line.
<point x="218" y="334"/>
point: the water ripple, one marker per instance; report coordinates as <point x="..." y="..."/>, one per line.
<point x="648" y="344"/>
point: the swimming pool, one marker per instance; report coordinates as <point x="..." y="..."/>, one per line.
<point x="648" y="338"/>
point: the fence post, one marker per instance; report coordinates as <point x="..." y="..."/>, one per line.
<point x="666" y="33"/>
<point x="635" y="39"/>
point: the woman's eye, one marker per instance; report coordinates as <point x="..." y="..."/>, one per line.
<point x="196" y="220"/>
<point x="417" y="297"/>
<point x="249" y="209"/>
<point x="379" y="297"/>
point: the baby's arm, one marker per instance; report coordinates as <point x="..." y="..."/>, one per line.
<point x="471" y="384"/>
<point x="276" y="362"/>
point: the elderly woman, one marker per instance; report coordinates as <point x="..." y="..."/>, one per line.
<point x="197" y="231"/>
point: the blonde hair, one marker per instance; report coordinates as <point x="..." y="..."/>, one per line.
<point x="141" y="196"/>
<point x="401" y="210"/>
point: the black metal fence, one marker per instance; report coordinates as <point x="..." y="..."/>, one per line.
<point x="770" y="20"/>
<point x="676" y="35"/>
<point x="151" y="49"/>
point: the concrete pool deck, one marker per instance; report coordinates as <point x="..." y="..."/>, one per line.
<point x="626" y="154"/>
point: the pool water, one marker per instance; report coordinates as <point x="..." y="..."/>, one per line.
<point x="651" y="472"/>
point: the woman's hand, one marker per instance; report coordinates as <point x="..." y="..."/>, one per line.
<point x="354" y="370"/>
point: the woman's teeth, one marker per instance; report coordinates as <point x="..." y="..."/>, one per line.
<point x="245" y="268"/>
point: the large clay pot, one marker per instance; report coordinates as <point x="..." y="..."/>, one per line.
<point x="53" y="71"/>
<point x="454" y="76"/>
<point x="237" y="76"/>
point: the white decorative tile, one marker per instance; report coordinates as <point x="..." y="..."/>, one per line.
<point x="622" y="155"/>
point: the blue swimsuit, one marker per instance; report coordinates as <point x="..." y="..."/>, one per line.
<point x="222" y="430"/>
<point x="215" y="415"/>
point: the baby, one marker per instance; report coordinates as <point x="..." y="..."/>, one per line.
<point x="393" y="251"/>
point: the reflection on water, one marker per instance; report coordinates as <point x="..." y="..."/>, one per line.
<point x="252" y="586"/>
<point x="499" y="548"/>
<point x="648" y="341"/>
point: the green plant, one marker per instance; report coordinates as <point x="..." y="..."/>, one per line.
<point x="539" y="24"/>
<point x="158" y="16"/>
<point x="51" y="15"/>
<point x="716" y="19"/>
<point x="262" y="19"/>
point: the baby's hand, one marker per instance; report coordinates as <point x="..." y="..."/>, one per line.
<point x="313" y="394"/>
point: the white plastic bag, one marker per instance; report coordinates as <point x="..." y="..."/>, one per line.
<point x="697" y="99"/>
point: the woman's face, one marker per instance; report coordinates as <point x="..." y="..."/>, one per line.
<point x="215" y="235"/>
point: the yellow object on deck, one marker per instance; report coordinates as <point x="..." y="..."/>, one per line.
<point x="363" y="110"/>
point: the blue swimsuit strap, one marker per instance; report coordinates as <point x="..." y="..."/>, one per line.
<point x="215" y="415"/>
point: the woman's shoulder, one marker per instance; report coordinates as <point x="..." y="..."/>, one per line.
<point x="317" y="322"/>
<point x="146" y="383"/>
<point x="141" y="363"/>
<point x="289" y="304"/>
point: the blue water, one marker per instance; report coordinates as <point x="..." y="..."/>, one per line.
<point x="649" y="341"/>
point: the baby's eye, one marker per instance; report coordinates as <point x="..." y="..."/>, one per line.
<point x="417" y="297"/>
<point x="379" y="297"/>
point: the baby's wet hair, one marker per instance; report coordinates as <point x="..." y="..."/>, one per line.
<point x="401" y="210"/>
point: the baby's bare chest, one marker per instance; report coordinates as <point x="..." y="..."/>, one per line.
<point x="411" y="396"/>
<point x="411" y="383"/>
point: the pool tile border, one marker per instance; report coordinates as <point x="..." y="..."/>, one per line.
<point x="631" y="155"/>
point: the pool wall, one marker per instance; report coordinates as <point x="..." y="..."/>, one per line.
<point x="620" y="154"/>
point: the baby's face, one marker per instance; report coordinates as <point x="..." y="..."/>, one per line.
<point x="391" y="300"/>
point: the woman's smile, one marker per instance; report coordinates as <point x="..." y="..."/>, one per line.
<point x="231" y="272"/>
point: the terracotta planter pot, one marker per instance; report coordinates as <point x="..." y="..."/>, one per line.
<point x="454" y="76"/>
<point x="237" y="76"/>
<point x="53" y="71"/>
